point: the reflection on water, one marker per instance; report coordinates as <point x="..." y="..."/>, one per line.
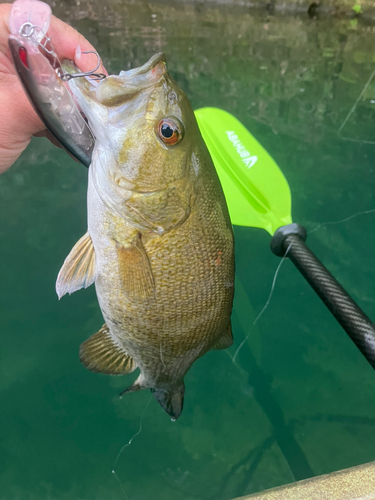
<point x="301" y="400"/>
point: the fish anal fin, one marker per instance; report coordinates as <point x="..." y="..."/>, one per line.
<point x="78" y="270"/>
<point x="225" y="341"/>
<point x="137" y="385"/>
<point x="171" y="400"/>
<point x="101" y="353"/>
<point x="135" y="269"/>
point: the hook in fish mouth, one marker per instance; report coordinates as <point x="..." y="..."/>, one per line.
<point x="115" y="89"/>
<point x="66" y="76"/>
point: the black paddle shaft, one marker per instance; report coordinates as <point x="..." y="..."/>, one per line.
<point x="291" y="240"/>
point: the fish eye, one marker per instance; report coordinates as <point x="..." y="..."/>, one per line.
<point x="170" y="130"/>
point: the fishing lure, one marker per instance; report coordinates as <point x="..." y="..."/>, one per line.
<point x="43" y="78"/>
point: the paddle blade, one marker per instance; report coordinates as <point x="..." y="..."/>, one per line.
<point x="255" y="189"/>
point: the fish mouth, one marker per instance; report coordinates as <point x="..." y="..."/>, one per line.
<point x="116" y="97"/>
<point x="116" y="89"/>
<point x="148" y="66"/>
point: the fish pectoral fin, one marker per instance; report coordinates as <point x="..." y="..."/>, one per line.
<point x="101" y="353"/>
<point x="164" y="210"/>
<point x="135" y="269"/>
<point x="225" y="341"/>
<point x="78" y="270"/>
<point x="171" y="400"/>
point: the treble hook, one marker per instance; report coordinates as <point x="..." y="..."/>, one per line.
<point x="91" y="74"/>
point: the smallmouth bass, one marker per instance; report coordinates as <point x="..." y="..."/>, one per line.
<point x="159" y="244"/>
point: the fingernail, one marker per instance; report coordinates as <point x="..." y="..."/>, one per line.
<point x="77" y="55"/>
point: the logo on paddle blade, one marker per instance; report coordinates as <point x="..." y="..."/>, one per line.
<point x="246" y="157"/>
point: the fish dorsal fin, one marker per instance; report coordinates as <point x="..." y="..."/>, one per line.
<point x="225" y="341"/>
<point x="78" y="270"/>
<point x="135" y="269"/>
<point x="102" y="354"/>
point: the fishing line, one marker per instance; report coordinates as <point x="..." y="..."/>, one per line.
<point x="350" y="217"/>
<point x="126" y="446"/>
<point x="265" y="305"/>
<point x="365" y="212"/>
<point x="121" y="486"/>
<point x="352" y="111"/>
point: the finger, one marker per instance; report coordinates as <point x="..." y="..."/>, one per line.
<point x="4" y="26"/>
<point x="65" y="39"/>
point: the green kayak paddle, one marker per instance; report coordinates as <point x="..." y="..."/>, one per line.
<point x="258" y="195"/>
<point x="256" y="191"/>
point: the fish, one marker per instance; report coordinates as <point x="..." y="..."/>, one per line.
<point x="159" y="245"/>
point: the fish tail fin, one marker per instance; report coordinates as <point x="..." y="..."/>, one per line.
<point x="172" y="400"/>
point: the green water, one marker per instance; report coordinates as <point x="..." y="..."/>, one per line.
<point x="301" y="400"/>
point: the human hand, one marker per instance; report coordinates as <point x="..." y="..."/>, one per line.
<point x="19" y="120"/>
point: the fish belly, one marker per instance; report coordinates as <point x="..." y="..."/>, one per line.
<point x="188" y="307"/>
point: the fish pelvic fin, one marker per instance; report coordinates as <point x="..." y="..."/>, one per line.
<point x="78" y="270"/>
<point x="135" y="269"/>
<point x="171" y="400"/>
<point x="102" y="354"/>
<point x="225" y="340"/>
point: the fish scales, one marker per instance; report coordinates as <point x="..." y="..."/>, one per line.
<point x="161" y="238"/>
